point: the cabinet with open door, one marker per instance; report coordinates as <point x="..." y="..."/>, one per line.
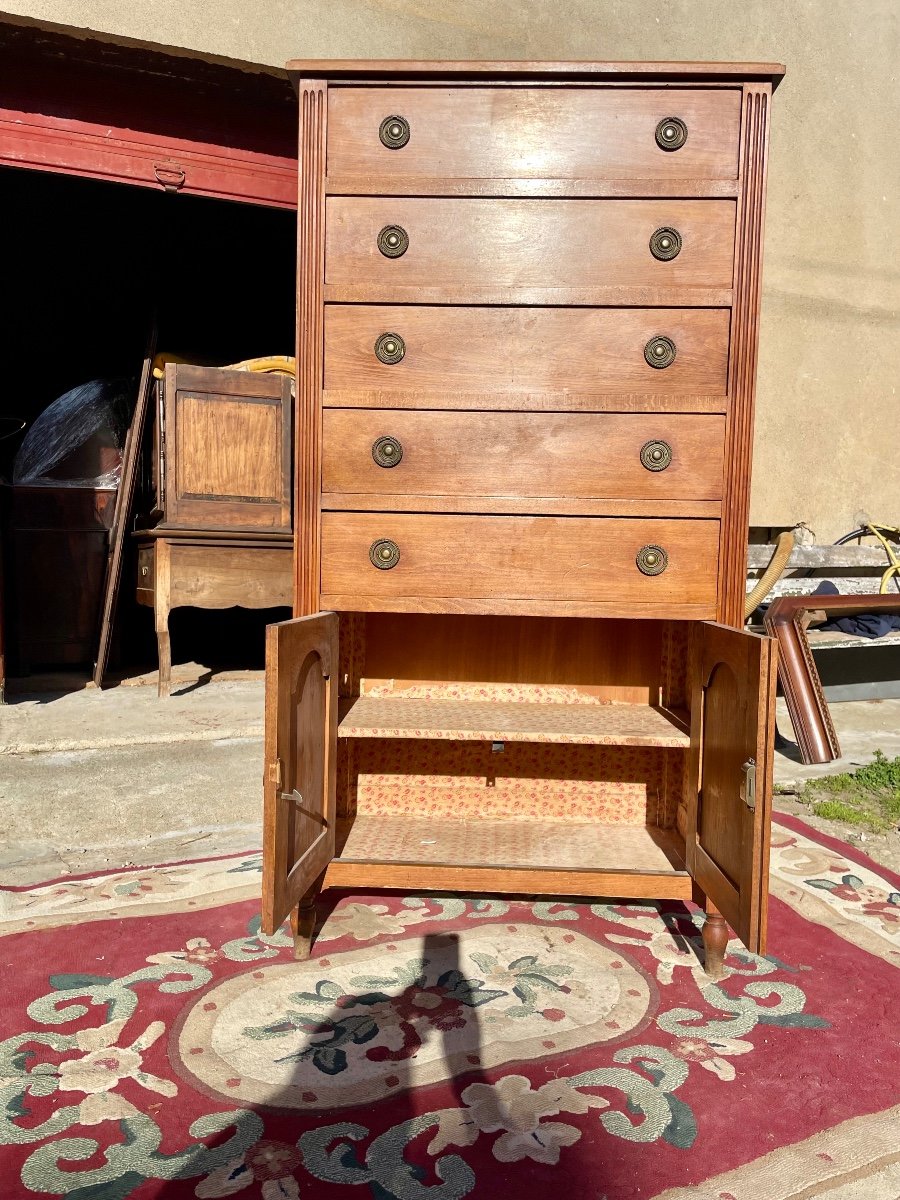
<point x="543" y="756"/>
<point x="527" y="331"/>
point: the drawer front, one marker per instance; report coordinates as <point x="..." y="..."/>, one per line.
<point x="462" y="245"/>
<point x="485" y="350"/>
<point x="616" y="455"/>
<point x="569" y="560"/>
<point x="225" y="576"/>
<point x="530" y="133"/>
<point x="146" y="576"/>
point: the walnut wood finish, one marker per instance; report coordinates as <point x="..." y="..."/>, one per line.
<point x="521" y="133"/>
<point x="786" y="620"/>
<point x="310" y="272"/>
<point x="299" y="781"/>
<point x="733" y="714"/>
<point x="744" y="344"/>
<point x="226" y="441"/>
<point x="529" y="881"/>
<point x="521" y="454"/>
<point x="574" y="251"/>
<point x="208" y="573"/>
<point x="508" y="350"/>
<point x="733" y="73"/>
<point x="525" y="401"/>
<point x="525" y="299"/>
<point x="561" y="559"/>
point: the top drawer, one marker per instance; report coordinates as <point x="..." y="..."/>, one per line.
<point x="547" y="141"/>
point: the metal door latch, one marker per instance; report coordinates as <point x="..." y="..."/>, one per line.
<point x="748" y="787"/>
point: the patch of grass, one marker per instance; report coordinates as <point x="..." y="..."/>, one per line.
<point x="868" y="797"/>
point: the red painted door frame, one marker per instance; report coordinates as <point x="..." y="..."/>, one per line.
<point x="151" y="117"/>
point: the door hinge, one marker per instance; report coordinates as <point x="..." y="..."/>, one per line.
<point x="275" y="774"/>
<point x="748" y="786"/>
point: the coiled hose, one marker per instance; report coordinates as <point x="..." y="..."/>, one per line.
<point x="784" y="545"/>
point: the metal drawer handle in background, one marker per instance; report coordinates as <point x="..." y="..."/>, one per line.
<point x="660" y="352"/>
<point x="394" y="132"/>
<point x="651" y="560"/>
<point x="384" y="554"/>
<point x="665" y="244"/>
<point x="393" y="241"/>
<point x="390" y="348"/>
<point x="656" y="456"/>
<point x="387" y="451"/>
<point x="671" y="133"/>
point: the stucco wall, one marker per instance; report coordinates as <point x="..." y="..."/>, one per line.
<point x="828" y="425"/>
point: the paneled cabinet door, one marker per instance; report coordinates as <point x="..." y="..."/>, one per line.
<point x="301" y="745"/>
<point x="226" y="449"/>
<point x="732" y="727"/>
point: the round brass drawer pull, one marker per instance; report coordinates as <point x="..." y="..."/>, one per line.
<point x="652" y="560"/>
<point x="390" y="348"/>
<point x="665" y="244"/>
<point x="393" y="241"/>
<point x="387" y="451"/>
<point x="660" y="352"/>
<point x="671" y="133"/>
<point x="394" y="132"/>
<point x="384" y="554"/>
<point x="656" y="456"/>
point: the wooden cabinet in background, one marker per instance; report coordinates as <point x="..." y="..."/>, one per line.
<point x="221" y="517"/>
<point x="528" y="299"/>
<point x="222" y="450"/>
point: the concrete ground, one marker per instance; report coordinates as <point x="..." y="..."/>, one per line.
<point x="94" y="779"/>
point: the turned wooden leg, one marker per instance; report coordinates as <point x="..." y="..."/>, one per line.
<point x="303" y="923"/>
<point x="715" y="942"/>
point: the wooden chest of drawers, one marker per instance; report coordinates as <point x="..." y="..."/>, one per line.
<point x="527" y="301"/>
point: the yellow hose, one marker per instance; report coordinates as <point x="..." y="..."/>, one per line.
<point x="784" y="545"/>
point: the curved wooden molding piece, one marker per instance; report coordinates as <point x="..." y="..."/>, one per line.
<point x="786" y="621"/>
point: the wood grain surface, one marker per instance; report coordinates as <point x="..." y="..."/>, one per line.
<point x="503" y="350"/>
<point x="570" y="245"/>
<point x="566" y="559"/>
<point x="549" y="133"/>
<point x="607" y="660"/>
<point x="508" y="454"/>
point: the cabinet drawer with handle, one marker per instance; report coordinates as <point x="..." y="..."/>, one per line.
<point x="488" y="351"/>
<point x="390" y="140"/>
<point x="615" y="566"/>
<point x="463" y="250"/>
<point x="639" y="456"/>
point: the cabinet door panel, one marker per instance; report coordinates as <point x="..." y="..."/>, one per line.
<point x="227" y="449"/>
<point x="301" y="741"/>
<point x="733" y="701"/>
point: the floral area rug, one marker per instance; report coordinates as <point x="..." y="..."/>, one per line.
<point x="155" y="1044"/>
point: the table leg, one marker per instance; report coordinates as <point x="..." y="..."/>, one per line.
<point x="161" y="610"/>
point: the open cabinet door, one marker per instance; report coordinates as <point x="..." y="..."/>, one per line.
<point x="732" y="732"/>
<point x="301" y="744"/>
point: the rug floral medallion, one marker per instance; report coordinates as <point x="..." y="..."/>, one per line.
<point x="154" y="1044"/>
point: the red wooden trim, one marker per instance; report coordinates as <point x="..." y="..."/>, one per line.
<point x="76" y="147"/>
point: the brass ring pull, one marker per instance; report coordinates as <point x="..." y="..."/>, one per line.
<point x="394" y="132"/>
<point x="660" y="352"/>
<point x="656" y="456"/>
<point x="651" y="560"/>
<point x="390" y="348"/>
<point x="387" y="451"/>
<point x="384" y="554"/>
<point x="665" y="244"/>
<point x="393" y="241"/>
<point x="671" y="133"/>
